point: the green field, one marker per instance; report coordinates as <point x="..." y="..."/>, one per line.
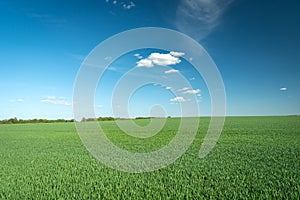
<point x="256" y="157"/>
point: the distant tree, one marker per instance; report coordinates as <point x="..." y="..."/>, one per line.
<point x="13" y="120"/>
<point x="23" y="121"/>
<point x="142" y="117"/>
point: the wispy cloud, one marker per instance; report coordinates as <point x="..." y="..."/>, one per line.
<point x="47" y="18"/>
<point x="187" y="90"/>
<point x="191" y="91"/>
<point x="171" y="71"/>
<point x="108" y="58"/>
<point x="49" y="97"/>
<point x="55" y="101"/>
<point x="77" y="56"/>
<point x="111" y="68"/>
<point x="179" y="99"/>
<point x="125" y="5"/>
<point x="183" y="89"/>
<point x="283" y="89"/>
<point x="199" y="17"/>
<point x="17" y="100"/>
<point x="160" y="59"/>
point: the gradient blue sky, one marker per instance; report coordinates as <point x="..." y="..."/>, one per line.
<point x="254" y="43"/>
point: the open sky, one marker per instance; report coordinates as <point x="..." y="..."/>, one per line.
<point x="255" y="45"/>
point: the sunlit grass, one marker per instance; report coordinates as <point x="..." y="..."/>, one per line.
<point x="256" y="157"/>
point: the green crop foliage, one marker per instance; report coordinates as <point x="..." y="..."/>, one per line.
<point x="255" y="158"/>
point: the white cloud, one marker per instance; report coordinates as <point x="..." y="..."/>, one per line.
<point x="108" y="58"/>
<point x="124" y="5"/>
<point x="283" y="89"/>
<point x="193" y="78"/>
<point x="186" y="90"/>
<point x="168" y="88"/>
<point x="163" y="59"/>
<point x="178" y="99"/>
<point x="177" y="54"/>
<point x="144" y="63"/>
<point x="183" y="89"/>
<point x="20" y="100"/>
<point x="138" y="56"/>
<point x="191" y="91"/>
<point x="160" y="59"/>
<point x="171" y="71"/>
<point x="53" y="100"/>
<point x="128" y="6"/>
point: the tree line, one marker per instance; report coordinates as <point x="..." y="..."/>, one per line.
<point x="97" y="119"/>
<point x="27" y="121"/>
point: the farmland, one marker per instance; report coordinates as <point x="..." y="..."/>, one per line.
<point x="256" y="157"/>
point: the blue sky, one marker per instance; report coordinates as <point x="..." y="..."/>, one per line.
<point x="255" y="45"/>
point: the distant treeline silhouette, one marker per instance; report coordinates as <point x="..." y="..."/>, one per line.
<point x="97" y="119"/>
<point x="27" y="121"/>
